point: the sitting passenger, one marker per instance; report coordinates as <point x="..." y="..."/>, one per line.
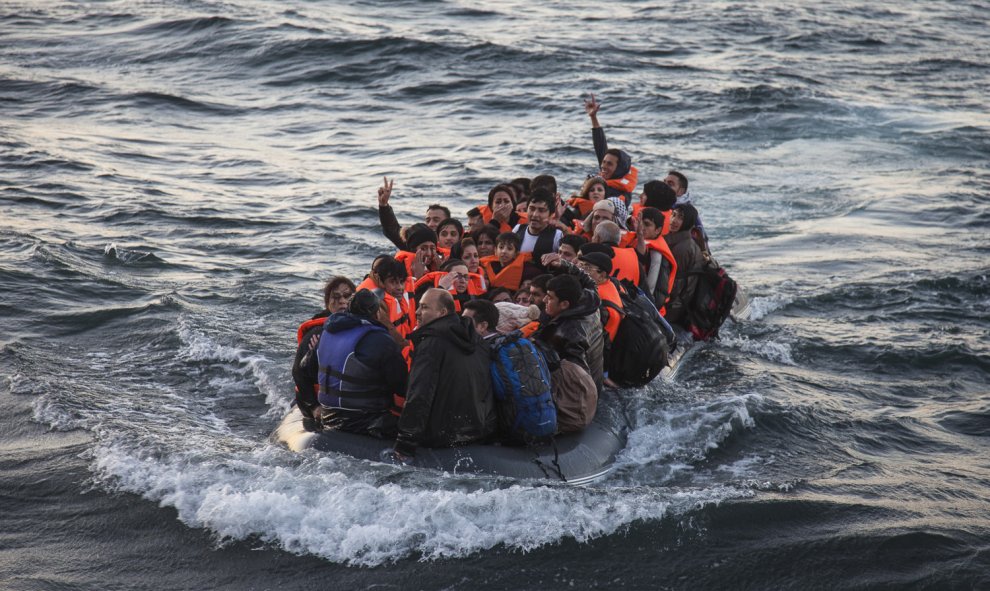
<point x="662" y="270"/>
<point x="452" y="276"/>
<point x="571" y="327"/>
<point x="422" y="256"/>
<point x="485" y="317"/>
<point x="508" y="268"/>
<point x="500" y="213"/>
<point x="538" y="236"/>
<point x="336" y="295"/>
<point x="485" y="239"/>
<point x="449" y="400"/>
<point x="362" y="374"/>
<point x="449" y="232"/>
<point x="569" y="247"/>
<point x="579" y="206"/>
<point x="388" y="280"/>
<point x="689" y="258"/>
<point x="625" y="261"/>
<point x="598" y="266"/>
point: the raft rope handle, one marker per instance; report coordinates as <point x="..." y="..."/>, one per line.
<point x="556" y="460"/>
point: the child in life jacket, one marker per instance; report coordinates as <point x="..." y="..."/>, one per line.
<point x="508" y="268"/>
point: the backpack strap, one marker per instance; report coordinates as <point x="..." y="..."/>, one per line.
<point x="611" y="305"/>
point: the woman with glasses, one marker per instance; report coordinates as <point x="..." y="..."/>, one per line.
<point x="337" y="294"/>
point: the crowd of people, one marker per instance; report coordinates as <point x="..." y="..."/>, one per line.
<point x="406" y="353"/>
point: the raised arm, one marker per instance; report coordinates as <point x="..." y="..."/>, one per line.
<point x="591" y="107"/>
<point x="390" y="226"/>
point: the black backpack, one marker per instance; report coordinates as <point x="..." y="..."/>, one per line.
<point x="712" y="304"/>
<point x="641" y="347"/>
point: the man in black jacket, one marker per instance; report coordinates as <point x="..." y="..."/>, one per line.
<point x="449" y="401"/>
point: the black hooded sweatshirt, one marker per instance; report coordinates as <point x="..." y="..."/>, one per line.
<point x="449" y="401"/>
<point x="625" y="163"/>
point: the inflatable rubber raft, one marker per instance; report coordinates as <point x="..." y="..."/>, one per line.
<point x="575" y="458"/>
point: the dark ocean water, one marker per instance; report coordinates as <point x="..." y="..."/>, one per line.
<point x="179" y="177"/>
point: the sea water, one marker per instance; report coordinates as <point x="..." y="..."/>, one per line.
<point x="179" y="178"/>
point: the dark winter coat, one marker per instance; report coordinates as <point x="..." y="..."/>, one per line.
<point x="449" y="401"/>
<point x="576" y="334"/>
<point x="689" y="261"/>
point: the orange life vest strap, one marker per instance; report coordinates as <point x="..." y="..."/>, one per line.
<point x="510" y="276"/>
<point x="305" y="326"/>
<point x="613" y="303"/>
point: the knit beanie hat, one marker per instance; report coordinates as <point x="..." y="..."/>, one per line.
<point x="598" y="259"/>
<point x="513" y="316"/>
<point x="418" y="234"/>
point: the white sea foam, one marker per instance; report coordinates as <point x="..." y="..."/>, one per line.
<point x="772" y="350"/>
<point x="261" y="371"/>
<point x="344" y="511"/>
<point x="684" y="434"/>
<point x="761" y="306"/>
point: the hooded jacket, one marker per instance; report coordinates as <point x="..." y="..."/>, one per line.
<point x="624" y="179"/>
<point x="449" y="401"/>
<point x="576" y="334"/>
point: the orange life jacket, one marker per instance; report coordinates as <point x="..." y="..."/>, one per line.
<point x="660" y="245"/>
<point x="625" y="184"/>
<point x="305" y="326"/>
<point x="628" y="240"/>
<point x="301" y="331"/>
<point x="582" y="205"/>
<point x="401" y="311"/>
<point x="579" y="229"/>
<point x="528" y="329"/>
<point x="510" y="276"/>
<point x="486" y="214"/>
<point x="608" y="293"/>
<point x="625" y="264"/>
<point x="666" y="218"/>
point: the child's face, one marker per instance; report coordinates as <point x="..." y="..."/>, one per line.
<point x="448" y="236"/>
<point x="552" y="305"/>
<point x="506" y="252"/>
<point x="649" y="229"/>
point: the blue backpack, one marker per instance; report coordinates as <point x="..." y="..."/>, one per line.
<point x="521" y="382"/>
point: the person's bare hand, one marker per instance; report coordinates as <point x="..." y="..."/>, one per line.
<point x="502" y="211"/>
<point x="635" y="221"/>
<point x="419" y="265"/>
<point x="384" y="192"/>
<point x="446" y="281"/>
<point x="550" y="260"/>
<point x="591" y="106"/>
